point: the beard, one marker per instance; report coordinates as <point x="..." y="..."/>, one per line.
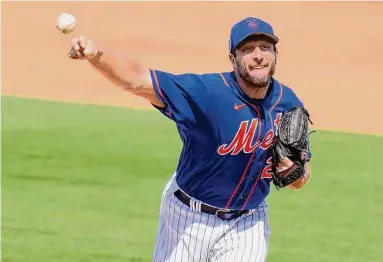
<point x="252" y="81"/>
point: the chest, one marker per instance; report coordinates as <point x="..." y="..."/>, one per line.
<point x="240" y="127"/>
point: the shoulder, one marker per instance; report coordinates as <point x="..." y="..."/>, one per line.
<point x="211" y="78"/>
<point x="194" y="78"/>
<point x="289" y="96"/>
<point x="211" y="83"/>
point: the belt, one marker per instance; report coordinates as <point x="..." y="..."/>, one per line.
<point x="224" y="214"/>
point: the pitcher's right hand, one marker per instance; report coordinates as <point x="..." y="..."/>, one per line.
<point x="83" y="48"/>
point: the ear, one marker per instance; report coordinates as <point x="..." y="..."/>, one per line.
<point x="232" y="60"/>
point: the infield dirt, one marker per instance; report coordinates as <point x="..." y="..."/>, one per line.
<point x="330" y="53"/>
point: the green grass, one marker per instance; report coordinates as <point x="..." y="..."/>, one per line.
<point x="76" y="187"/>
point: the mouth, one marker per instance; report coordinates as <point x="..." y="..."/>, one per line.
<point x="257" y="67"/>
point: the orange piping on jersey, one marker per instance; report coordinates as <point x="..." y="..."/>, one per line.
<point x="224" y="79"/>
<point x="259" y="175"/>
<point x="158" y="85"/>
<point x="277" y="102"/>
<point x="251" y="159"/>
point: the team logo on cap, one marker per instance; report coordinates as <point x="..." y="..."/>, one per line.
<point x="252" y="23"/>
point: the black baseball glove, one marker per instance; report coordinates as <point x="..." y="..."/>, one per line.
<point x="291" y="140"/>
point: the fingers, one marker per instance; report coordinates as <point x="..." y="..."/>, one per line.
<point x="82" y="41"/>
<point x="74" y="54"/>
<point x="75" y="44"/>
<point x="76" y="50"/>
<point x="82" y="48"/>
<point x="90" y="50"/>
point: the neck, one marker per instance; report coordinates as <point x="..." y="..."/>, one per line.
<point x="252" y="91"/>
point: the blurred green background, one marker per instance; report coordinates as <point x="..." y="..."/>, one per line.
<point x="83" y="183"/>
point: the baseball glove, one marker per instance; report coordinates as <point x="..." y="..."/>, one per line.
<point x="291" y="140"/>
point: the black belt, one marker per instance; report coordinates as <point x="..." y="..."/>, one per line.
<point x="224" y="214"/>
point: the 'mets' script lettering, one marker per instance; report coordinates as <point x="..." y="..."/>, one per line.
<point x="243" y="139"/>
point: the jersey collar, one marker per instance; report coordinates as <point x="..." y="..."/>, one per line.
<point x="271" y="95"/>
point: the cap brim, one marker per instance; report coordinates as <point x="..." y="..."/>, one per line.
<point x="273" y="38"/>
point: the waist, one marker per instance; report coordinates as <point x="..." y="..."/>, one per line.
<point x="217" y="194"/>
<point x="224" y="214"/>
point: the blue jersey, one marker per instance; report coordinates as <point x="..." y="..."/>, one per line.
<point x="226" y="158"/>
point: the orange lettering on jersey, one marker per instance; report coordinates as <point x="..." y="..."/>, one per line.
<point x="242" y="140"/>
<point x="267" y="171"/>
<point x="268" y="140"/>
<point x="277" y="120"/>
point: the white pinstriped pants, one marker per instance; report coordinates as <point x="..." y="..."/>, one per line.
<point x="187" y="235"/>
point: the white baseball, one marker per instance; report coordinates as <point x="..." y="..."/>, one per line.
<point x="66" y="23"/>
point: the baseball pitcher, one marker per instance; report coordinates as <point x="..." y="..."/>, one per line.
<point x="242" y="132"/>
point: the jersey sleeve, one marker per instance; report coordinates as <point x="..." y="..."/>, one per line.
<point x="185" y="97"/>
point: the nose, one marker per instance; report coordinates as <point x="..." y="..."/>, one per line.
<point x="258" y="55"/>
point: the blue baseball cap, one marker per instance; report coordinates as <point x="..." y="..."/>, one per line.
<point x="247" y="27"/>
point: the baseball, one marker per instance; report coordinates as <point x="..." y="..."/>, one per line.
<point x="66" y="23"/>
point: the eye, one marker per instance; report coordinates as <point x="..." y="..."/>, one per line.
<point x="265" y="47"/>
<point x="247" y="49"/>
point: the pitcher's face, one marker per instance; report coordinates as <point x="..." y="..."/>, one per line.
<point x="255" y="60"/>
